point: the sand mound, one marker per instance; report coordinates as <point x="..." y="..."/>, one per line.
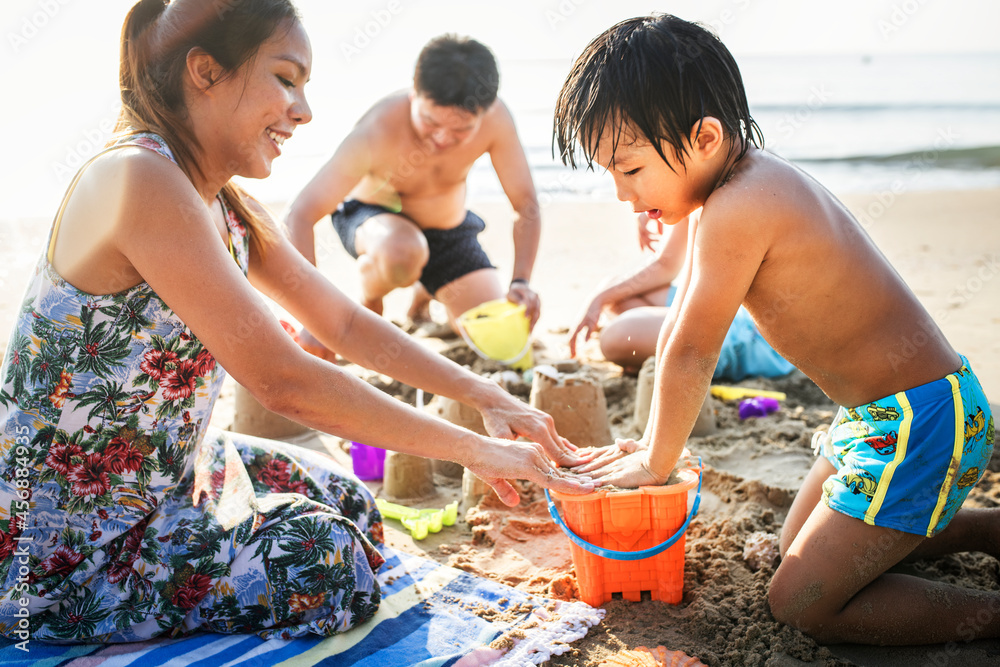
<point x="753" y="468"/>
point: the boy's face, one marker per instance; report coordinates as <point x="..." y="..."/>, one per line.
<point x="644" y="180"/>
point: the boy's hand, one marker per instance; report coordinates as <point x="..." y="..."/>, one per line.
<point x="588" y="323"/>
<point x="628" y="472"/>
<point x="647" y="237"/>
<point x="605" y="455"/>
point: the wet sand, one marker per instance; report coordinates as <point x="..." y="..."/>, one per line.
<point x="946" y="245"/>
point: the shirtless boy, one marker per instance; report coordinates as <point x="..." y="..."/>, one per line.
<point x="396" y="188"/>
<point x="660" y="103"/>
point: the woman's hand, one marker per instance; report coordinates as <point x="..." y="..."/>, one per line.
<point x="648" y="237"/>
<point x="508" y="418"/>
<point x="498" y="461"/>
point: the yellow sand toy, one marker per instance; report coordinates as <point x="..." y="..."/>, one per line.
<point x="498" y="330"/>
<point x="419" y="522"/>
<point x="734" y="393"/>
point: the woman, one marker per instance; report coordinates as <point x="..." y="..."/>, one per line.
<point x="122" y="515"/>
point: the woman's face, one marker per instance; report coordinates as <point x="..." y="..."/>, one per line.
<point x="258" y="108"/>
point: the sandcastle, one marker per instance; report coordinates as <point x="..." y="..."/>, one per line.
<point x="576" y="403"/>
<point x="407" y="477"/>
<point x="460" y="414"/>
<point x="252" y="418"/>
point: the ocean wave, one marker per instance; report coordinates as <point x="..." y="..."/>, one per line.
<point x="896" y="106"/>
<point x="978" y="157"/>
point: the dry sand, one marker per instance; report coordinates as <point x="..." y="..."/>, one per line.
<point x="947" y="247"/>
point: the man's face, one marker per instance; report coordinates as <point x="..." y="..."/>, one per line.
<point x="443" y="128"/>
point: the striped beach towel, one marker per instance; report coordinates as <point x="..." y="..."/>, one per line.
<point x="431" y="615"/>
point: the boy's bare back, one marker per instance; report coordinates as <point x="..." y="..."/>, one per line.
<point x="820" y="291"/>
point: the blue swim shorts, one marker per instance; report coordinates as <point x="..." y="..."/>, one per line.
<point x="908" y="461"/>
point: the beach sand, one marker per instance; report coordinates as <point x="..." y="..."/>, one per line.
<point x="946" y="245"/>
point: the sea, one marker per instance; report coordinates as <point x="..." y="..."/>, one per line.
<point x="857" y="123"/>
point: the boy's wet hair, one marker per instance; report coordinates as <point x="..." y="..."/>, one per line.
<point x="455" y="71"/>
<point x="654" y="77"/>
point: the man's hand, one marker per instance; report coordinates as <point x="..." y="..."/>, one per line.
<point x="648" y="237"/>
<point x="520" y="293"/>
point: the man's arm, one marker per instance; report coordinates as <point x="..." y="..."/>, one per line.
<point x="327" y="189"/>
<point x="511" y="167"/>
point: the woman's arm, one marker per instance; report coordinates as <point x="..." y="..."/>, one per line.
<point x="168" y="234"/>
<point x="370" y="341"/>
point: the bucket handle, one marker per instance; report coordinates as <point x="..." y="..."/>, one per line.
<point x="629" y="555"/>
<point x="475" y="348"/>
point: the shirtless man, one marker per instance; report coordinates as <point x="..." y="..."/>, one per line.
<point x="396" y="189"/>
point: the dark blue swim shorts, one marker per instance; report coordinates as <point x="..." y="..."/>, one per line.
<point x="453" y="252"/>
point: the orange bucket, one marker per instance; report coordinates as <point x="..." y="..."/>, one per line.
<point x="629" y="542"/>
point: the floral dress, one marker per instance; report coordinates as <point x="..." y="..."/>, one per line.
<point x="123" y="516"/>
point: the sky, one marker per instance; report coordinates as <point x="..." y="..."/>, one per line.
<point x="60" y="57"/>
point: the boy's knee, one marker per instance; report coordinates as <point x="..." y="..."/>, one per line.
<point x="797" y="608"/>
<point x="617" y="346"/>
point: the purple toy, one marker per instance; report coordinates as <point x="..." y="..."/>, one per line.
<point x="758" y="406"/>
<point x="368" y="462"/>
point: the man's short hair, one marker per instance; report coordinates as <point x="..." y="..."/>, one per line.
<point x="454" y="71"/>
<point x="654" y="76"/>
